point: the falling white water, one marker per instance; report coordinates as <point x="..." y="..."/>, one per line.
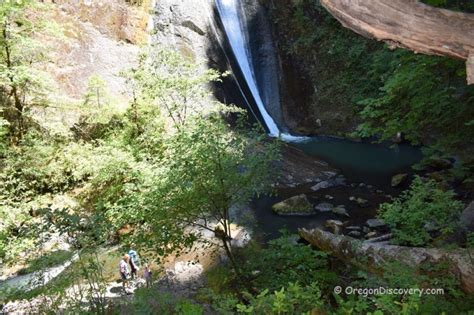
<point x="230" y="13"/>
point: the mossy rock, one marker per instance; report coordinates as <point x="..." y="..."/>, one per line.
<point x="399" y="179"/>
<point x="296" y="205"/>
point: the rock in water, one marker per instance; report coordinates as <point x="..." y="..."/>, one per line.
<point x="467" y="217"/>
<point x="337" y="181"/>
<point x="340" y="210"/>
<point x="375" y="223"/>
<point x="398" y="179"/>
<point x="354" y="228"/>
<point x="318" y="123"/>
<point x="293" y="206"/>
<point x="334" y="225"/>
<point x="439" y="164"/>
<point x="324" y="207"/>
<point x="362" y="202"/>
<point x="371" y="235"/>
<point x="354" y="233"/>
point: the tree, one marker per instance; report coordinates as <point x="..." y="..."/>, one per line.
<point x="209" y="166"/>
<point x="96" y="94"/>
<point x="216" y="168"/>
<point x="21" y="84"/>
<point x="203" y="168"/>
<point x="173" y="83"/>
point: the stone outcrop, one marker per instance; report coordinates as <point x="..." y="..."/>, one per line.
<point x="184" y="26"/>
<point x="467" y="217"/>
<point x="100" y="38"/>
<point x="373" y="256"/>
<point x="297" y="169"/>
<point x="296" y="205"/>
<point x="115" y="18"/>
<point x="398" y="179"/>
<point x="410" y="24"/>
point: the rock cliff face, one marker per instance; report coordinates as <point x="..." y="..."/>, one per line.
<point x="100" y="38"/>
<point x="314" y="96"/>
<point x="184" y="25"/>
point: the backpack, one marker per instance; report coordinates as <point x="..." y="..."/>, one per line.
<point x="134" y="257"/>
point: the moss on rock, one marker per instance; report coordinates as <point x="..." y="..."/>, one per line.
<point x="296" y="205"/>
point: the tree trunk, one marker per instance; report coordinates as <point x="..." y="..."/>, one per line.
<point x="410" y="24"/>
<point x="18" y="104"/>
<point x="373" y="257"/>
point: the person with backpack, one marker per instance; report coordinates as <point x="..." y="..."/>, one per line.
<point x="133" y="261"/>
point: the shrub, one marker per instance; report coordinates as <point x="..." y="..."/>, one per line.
<point x="284" y="261"/>
<point x="292" y="299"/>
<point x="424" y="207"/>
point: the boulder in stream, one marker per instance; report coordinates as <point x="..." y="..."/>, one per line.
<point x="354" y="228"/>
<point x="399" y="179"/>
<point x="334" y="225"/>
<point x="324" y="207"/>
<point x="362" y="202"/>
<point x="467" y="218"/>
<point x="354" y="233"/>
<point x="375" y="223"/>
<point x="296" y="205"/>
<point x="340" y="210"/>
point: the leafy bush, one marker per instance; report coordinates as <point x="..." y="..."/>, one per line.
<point x="3" y="136"/>
<point x="284" y="261"/>
<point x="425" y="97"/>
<point x="424" y="207"/>
<point x="384" y="91"/>
<point x="292" y="298"/>
<point x="152" y="301"/>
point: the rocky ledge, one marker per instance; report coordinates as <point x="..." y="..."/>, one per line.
<point x="298" y="169"/>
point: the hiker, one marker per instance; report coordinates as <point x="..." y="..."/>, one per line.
<point x="147" y="276"/>
<point x="123" y="268"/>
<point x="133" y="261"/>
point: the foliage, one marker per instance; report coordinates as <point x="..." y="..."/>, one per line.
<point x="417" y="93"/>
<point x="382" y="90"/>
<point x="49" y="260"/>
<point x="202" y="168"/>
<point x="458" y="5"/>
<point x="3" y="136"/>
<point x="173" y="83"/>
<point x="424" y="207"/>
<point x="152" y="301"/>
<point x="284" y="261"/>
<point x="22" y="85"/>
<point x="293" y="299"/>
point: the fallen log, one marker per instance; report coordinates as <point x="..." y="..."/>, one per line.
<point x="373" y="257"/>
<point x="410" y="24"/>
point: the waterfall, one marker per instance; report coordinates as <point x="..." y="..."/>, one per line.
<point x="235" y="27"/>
